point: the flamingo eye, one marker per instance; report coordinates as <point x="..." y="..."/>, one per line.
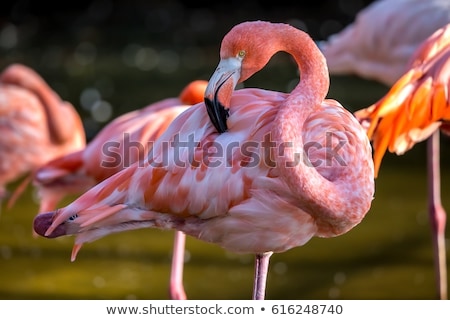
<point x="241" y="54"/>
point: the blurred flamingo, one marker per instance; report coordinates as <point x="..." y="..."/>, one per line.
<point x="379" y="46"/>
<point x="123" y="141"/>
<point x="383" y="37"/>
<point x="416" y="108"/>
<point x="126" y="139"/>
<point x="282" y="168"/>
<point x="35" y="126"/>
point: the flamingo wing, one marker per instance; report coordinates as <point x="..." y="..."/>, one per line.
<point x="412" y="109"/>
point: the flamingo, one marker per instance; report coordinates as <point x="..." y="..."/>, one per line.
<point x="123" y="141"/>
<point x="380" y="46"/>
<point x="415" y="109"/>
<point x="383" y="37"/>
<point x="279" y="169"/>
<point x="35" y="126"/>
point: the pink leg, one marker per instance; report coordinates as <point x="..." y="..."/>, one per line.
<point x="437" y="214"/>
<point x="176" y="289"/>
<point x="261" y="270"/>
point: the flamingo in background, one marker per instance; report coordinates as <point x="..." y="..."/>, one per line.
<point x="35" y="126"/>
<point x="123" y="141"/>
<point x="383" y="37"/>
<point x="379" y="46"/>
<point x="126" y="139"/>
<point x="283" y="168"/>
<point x="416" y="108"/>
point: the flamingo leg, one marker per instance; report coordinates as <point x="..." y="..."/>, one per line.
<point x="176" y="289"/>
<point x="261" y="270"/>
<point x="437" y="214"/>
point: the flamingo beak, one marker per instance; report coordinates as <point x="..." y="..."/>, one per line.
<point x="43" y="221"/>
<point x="219" y="90"/>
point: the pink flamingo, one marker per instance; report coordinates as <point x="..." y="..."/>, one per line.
<point x="288" y="166"/>
<point x="126" y="139"/>
<point x="36" y="126"/>
<point x="383" y="37"/>
<point x="123" y="141"/>
<point x="380" y="45"/>
<point x="416" y="108"/>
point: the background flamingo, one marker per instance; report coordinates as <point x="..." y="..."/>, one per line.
<point x="415" y="109"/>
<point x="123" y="141"/>
<point x="383" y="37"/>
<point x="243" y="205"/>
<point x="35" y="125"/>
<point x="379" y="45"/>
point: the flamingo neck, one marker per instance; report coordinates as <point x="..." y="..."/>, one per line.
<point x="326" y="200"/>
<point x="314" y="78"/>
<point x="52" y="103"/>
<point x="59" y="126"/>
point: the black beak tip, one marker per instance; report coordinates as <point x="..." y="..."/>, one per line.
<point x="218" y="115"/>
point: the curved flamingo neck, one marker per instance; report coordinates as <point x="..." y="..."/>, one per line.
<point x="59" y="125"/>
<point x="328" y="201"/>
<point x="313" y="68"/>
<point x="314" y="79"/>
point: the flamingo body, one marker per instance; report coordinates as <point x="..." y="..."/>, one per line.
<point x="265" y="185"/>
<point x="221" y="203"/>
<point x="31" y="115"/>
<point x="383" y="37"/>
<point x="122" y="142"/>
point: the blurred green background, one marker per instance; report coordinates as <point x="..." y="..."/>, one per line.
<point x="109" y="57"/>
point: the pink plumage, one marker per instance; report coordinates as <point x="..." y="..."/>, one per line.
<point x="125" y="140"/>
<point x="379" y="44"/>
<point x="35" y="125"/>
<point x="289" y="166"/>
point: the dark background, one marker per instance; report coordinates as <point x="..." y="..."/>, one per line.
<point x="321" y="18"/>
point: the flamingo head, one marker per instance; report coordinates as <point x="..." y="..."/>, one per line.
<point x="244" y="51"/>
